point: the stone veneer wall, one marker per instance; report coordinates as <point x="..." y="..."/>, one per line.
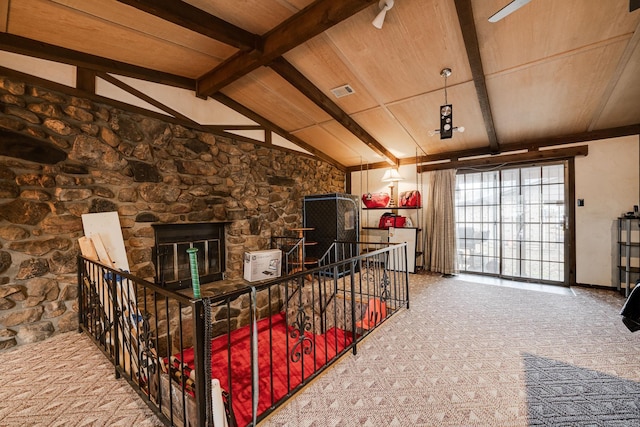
<point x="79" y="156"/>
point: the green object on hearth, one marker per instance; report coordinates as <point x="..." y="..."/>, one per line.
<point x="195" y="277"/>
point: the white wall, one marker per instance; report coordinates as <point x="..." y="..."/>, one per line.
<point x="608" y="180"/>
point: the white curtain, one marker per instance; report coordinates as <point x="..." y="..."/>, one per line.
<point x="440" y="253"/>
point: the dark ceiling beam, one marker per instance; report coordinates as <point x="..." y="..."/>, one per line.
<point x="192" y="18"/>
<point x="531" y="156"/>
<point x="536" y="144"/>
<point x="308" y="89"/>
<point x="470" y="36"/>
<point x="309" y="22"/>
<point x="531" y="145"/>
<point x="86" y="80"/>
<point x="593" y="135"/>
<point x="224" y="99"/>
<point x="37" y="49"/>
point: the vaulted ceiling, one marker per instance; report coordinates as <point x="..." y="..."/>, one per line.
<point x="552" y="71"/>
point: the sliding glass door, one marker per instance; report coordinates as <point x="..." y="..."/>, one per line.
<point x="511" y="222"/>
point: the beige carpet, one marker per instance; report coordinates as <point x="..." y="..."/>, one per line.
<point x="66" y="381"/>
<point x="465" y="354"/>
<point x="458" y="358"/>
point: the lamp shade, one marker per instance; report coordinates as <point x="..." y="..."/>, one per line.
<point x="391" y="175"/>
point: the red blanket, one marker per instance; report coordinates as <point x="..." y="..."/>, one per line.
<point x="277" y="371"/>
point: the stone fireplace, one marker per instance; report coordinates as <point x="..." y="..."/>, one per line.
<point x="170" y="253"/>
<point x="62" y="156"/>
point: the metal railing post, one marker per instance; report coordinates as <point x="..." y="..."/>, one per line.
<point x="353" y="310"/>
<point x="111" y="295"/>
<point x="199" y="361"/>
<point x="406" y="274"/>
<point x="81" y="297"/>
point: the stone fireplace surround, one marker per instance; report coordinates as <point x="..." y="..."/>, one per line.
<point x="62" y="156"/>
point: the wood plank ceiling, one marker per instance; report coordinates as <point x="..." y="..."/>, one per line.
<point x="552" y="71"/>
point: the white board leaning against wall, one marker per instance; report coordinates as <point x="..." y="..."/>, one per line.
<point x="107" y="226"/>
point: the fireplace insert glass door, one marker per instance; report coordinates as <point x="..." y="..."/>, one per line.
<point x="176" y="267"/>
<point x="173" y="270"/>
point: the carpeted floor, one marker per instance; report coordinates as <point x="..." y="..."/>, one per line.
<point x="465" y="354"/>
<point x="66" y="381"/>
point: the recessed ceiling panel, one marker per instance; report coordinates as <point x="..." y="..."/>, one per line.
<point x="82" y="31"/>
<point x="555" y="97"/>
<point x="255" y="16"/>
<point x="623" y="105"/>
<point x="269" y="95"/>
<point x="123" y="15"/>
<point x="383" y="126"/>
<point x="322" y="64"/>
<point x="404" y="58"/>
<point x="545" y="28"/>
<point x="347" y="154"/>
<point x="421" y="115"/>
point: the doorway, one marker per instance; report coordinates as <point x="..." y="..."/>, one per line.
<point x="511" y="222"/>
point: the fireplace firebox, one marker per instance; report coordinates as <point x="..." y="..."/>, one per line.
<point x="170" y="253"/>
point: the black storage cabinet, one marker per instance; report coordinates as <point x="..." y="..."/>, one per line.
<point x="333" y="217"/>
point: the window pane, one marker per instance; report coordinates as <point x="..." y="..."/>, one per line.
<point x="553" y="174"/>
<point x="531" y="176"/>
<point x="510" y="178"/>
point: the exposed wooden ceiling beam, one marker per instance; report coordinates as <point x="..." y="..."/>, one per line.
<point x="531" y="156"/>
<point x="188" y="16"/>
<point x="544" y="142"/>
<point x="531" y="145"/>
<point x="593" y="135"/>
<point x="86" y="80"/>
<point x="308" y="89"/>
<point x="536" y="144"/>
<point x="309" y="22"/>
<point x="470" y="36"/>
<point x="37" y="49"/>
<point x="224" y="99"/>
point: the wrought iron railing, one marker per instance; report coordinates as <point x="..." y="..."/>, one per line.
<point x="236" y="357"/>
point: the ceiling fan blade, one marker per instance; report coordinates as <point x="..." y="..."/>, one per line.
<point x="508" y="9"/>
<point x="633" y="5"/>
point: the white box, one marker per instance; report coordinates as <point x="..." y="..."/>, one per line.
<point x="262" y="265"/>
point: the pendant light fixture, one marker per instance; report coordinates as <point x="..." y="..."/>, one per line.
<point x="384" y="5"/>
<point x="446" y="113"/>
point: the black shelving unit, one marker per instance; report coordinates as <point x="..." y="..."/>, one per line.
<point x="628" y="253"/>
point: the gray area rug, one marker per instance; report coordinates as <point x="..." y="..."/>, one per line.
<point x="561" y="394"/>
<point x="464" y="354"/>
